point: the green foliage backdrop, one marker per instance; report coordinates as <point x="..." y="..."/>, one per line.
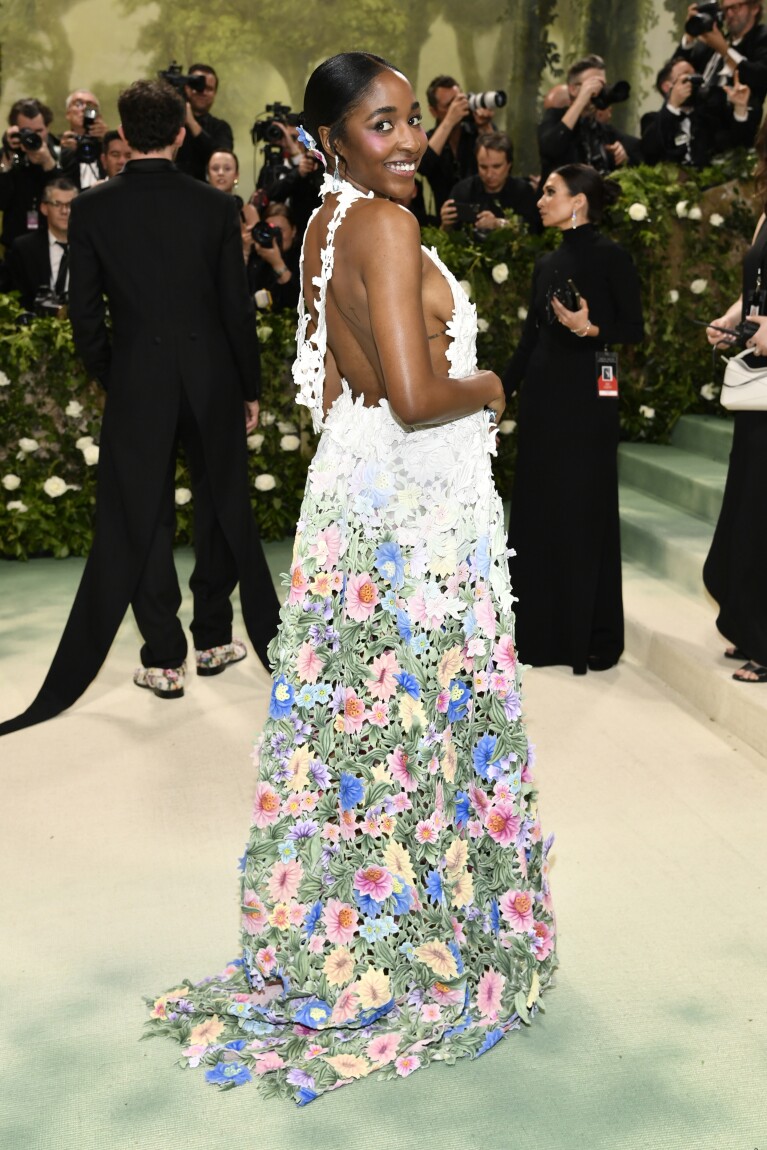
<point x="686" y="232"/>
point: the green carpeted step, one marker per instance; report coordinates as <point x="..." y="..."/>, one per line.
<point x="704" y="435"/>
<point x="690" y="482"/>
<point x="664" y="540"/>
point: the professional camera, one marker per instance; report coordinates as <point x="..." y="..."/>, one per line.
<point x="707" y="17"/>
<point x="269" y="129"/>
<point x="47" y="303"/>
<point x="31" y="141"/>
<point x="266" y="235"/>
<point x="486" y="100"/>
<point x="616" y="93"/>
<point x="88" y="147"/>
<point x="696" y="83"/>
<point x="173" y="75"/>
<point x="466" y="213"/>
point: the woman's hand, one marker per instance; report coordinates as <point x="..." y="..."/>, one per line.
<point x="758" y="341"/>
<point x="577" y="322"/>
<point x="729" y="319"/>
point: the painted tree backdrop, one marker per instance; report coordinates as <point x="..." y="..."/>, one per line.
<point x="265" y="49"/>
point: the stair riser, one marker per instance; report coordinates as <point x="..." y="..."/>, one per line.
<point x="710" y="438"/>
<point x="668" y="560"/>
<point x="681" y="491"/>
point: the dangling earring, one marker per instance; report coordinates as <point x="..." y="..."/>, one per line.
<point x="336" y="177"/>
<point x="575" y="219"/>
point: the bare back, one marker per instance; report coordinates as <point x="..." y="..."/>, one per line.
<point x="355" y="329"/>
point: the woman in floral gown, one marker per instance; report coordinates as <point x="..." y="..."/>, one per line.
<point x="395" y="905"/>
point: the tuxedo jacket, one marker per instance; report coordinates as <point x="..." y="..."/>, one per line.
<point x="29" y="264"/>
<point x="752" y="71"/>
<point x="163" y="251"/>
<point x="558" y="144"/>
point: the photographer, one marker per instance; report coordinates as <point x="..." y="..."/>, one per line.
<point x="81" y="143"/>
<point x="39" y="262"/>
<point x="688" y="130"/>
<point x="204" y="133"/>
<point x="27" y="162"/>
<point x="450" y="154"/>
<point x="289" y="175"/>
<point x="115" y="153"/>
<point x="739" y="57"/>
<point x="485" y="199"/>
<point x="580" y="134"/>
<point x="273" y="265"/>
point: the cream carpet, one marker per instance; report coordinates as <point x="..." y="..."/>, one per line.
<point x="120" y="826"/>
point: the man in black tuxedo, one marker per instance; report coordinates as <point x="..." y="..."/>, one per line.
<point x="181" y="364"/>
<point x="738" y="57"/>
<point x="40" y="259"/>
<point x="205" y="133"/>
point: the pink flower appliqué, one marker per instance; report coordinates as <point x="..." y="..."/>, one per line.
<point x="375" y="881"/>
<point x="327" y="546"/>
<point x="361" y="597"/>
<point x="266" y="806"/>
<point x="383" y="684"/>
<point x="484" y="613"/>
<point x="489" y="993"/>
<point x="354" y="712"/>
<point x="308" y="664"/>
<point x="543" y="940"/>
<point x="502" y="824"/>
<point x="517" y="909"/>
<point x="340" y="921"/>
<point x="285" y="880"/>
<point x="379" y="714"/>
<point x="382" y="1049"/>
<point x="406" y="1064"/>
<point x="298" y="585"/>
<point x="267" y="1062"/>
<point x="398" y="765"/>
<point x="504" y="655"/>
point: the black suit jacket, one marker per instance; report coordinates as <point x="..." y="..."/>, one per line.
<point x="753" y="70"/>
<point x="29" y="264"/>
<point x="558" y="144"/>
<point x="194" y="153"/>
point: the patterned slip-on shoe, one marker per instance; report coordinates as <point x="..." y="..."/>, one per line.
<point x="214" y="660"/>
<point x="166" y="682"/>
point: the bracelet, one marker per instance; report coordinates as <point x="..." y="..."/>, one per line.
<point x="280" y="272"/>
<point x="585" y="331"/>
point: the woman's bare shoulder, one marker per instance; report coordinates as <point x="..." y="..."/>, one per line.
<point x="384" y="225"/>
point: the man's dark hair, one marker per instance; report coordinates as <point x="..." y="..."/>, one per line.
<point x="496" y="142"/>
<point x="335" y="88"/>
<point x="29" y="108"/>
<point x="108" y="138"/>
<point x="151" y="113"/>
<point x="583" y="65"/>
<point x="206" y="69"/>
<point x="664" y="74"/>
<point x="439" y="82"/>
<point x="59" y="184"/>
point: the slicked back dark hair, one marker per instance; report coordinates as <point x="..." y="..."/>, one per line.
<point x="599" y="192"/>
<point x="335" y="88"/>
<point x="583" y="65"/>
<point x="30" y="109"/>
<point x="496" y="142"/>
<point x="439" y="82"/>
<point x="151" y="113"/>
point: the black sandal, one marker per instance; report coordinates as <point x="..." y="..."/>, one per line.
<point x="759" y="673"/>
<point x="735" y="653"/>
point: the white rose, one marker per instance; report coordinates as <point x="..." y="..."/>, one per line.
<point x="697" y="287"/>
<point x="708" y="391"/>
<point x="500" y="273"/>
<point x="16" y="505"/>
<point x="54" y="487"/>
<point x="83" y="442"/>
<point x="91" y="454"/>
<point x="265" y="483"/>
<point x="11" y="482"/>
<point x="695" y="213"/>
<point x="482" y="325"/>
<point x="183" y="495"/>
<point x="74" y="409"/>
<point x="716" y="220"/>
<point x="266" y="419"/>
<point x="286" y="428"/>
<point x="28" y="445"/>
<point x="263" y="332"/>
<point x="255" y="441"/>
<point x="638" y="212"/>
<point x="522" y="313"/>
<point x="507" y="426"/>
<point x="681" y="209"/>
<point x="673" y="296"/>
<point x="290" y="443"/>
<point x="647" y="412"/>
<point x="466" y="287"/>
<point x="4" y="380"/>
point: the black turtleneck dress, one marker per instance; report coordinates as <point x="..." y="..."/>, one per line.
<point x="564" y="523"/>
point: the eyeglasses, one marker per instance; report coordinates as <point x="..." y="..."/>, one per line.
<point x="84" y="104"/>
<point x="62" y="205"/>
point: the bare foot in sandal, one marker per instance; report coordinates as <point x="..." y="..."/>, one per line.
<point x="751" y="673"/>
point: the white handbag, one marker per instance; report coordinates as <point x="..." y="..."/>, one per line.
<point x="744" y="388"/>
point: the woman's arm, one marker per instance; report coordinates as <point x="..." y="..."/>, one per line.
<point x="390" y="267"/>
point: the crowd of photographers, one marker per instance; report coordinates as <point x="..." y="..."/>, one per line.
<point x="711" y="95"/>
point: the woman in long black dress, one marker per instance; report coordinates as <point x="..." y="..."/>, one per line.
<point x="735" y="572"/>
<point x="564" y="510"/>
